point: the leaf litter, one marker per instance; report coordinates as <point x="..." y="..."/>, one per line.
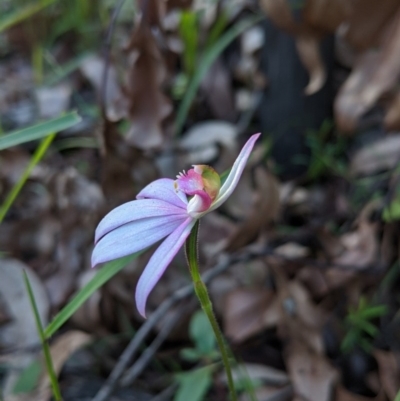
<point x="308" y="248"/>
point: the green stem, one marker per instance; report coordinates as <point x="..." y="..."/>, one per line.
<point x="205" y="302"/>
<point x="45" y="345"/>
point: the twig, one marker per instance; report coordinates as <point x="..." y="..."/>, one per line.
<point x="166" y="394"/>
<point x="137" y="368"/>
<point x="106" y="55"/>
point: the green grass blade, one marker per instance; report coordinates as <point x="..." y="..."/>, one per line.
<point x="209" y="56"/>
<point x="45" y="344"/>
<point x="37" y="156"/>
<point x="23" y="13"/>
<point x="104" y="274"/>
<point x="38" y="131"/>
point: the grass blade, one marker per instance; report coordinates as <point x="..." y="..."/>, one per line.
<point x="104" y="274"/>
<point x="23" y="13"/>
<point x="45" y="344"/>
<point x="39" y="131"/>
<point x="37" y="156"/>
<point x="210" y="55"/>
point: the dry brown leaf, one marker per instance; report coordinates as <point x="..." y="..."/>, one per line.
<point x="392" y="116"/>
<point x="53" y="101"/>
<point x="327" y="14"/>
<point x="115" y="103"/>
<point x="344" y="395"/>
<point x="148" y="106"/>
<point x="312" y="376"/>
<point x="383" y="154"/>
<point x="360" y="247"/>
<point x="265" y="209"/>
<point x="375" y="74"/>
<point x="62" y="348"/>
<point x="88" y="317"/>
<point x="20" y="332"/>
<point x="244" y="311"/>
<point x="217" y="89"/>
<point x="309" y="53"/>
<point x="153" y="11"/>
<point x="389" y="372"/>
<point x="270" y="393"/>
<point x="296" y="316"/>
<point x="203" y="140"/>
<point x="314" y="279"/>
<point x="256" y="372"/>
<point x="280" y="12"/>
<point x="367" y="22"/>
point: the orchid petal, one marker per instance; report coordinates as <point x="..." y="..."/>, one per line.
<point x="163" y="189"/>
<point x="133" y="237"/>
<point x="135" y="210"/>
<point x="234" y="176"/>
<point x="160" y="260"/>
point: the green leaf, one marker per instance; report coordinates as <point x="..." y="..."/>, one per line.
<point x="23" y="13"/>
<point x="39" y="131"/>
<point x="392" y="212"/>
<point x="37" y="156"/>
<point x="209" y="56"/>
<point x="45" y="345"/>
<point x="189" y="34"/>
<point x="190" y="354"/>
<point x="104" y="274"/>
<point x="29" y="378"/>
<point x="373" y="312"/>
<point x="201" y="333"/>
<point x="194" y="385"/>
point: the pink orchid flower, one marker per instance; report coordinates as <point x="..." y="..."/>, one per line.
<point x="162" y="209"/>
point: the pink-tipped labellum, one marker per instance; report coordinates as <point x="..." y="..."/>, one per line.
<point x="167" y="209"/>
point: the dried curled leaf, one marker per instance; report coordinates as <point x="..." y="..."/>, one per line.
<point x="308" y="50"/>
<point x="376" y="73"/>
<point x="307" y="40"/>
<point x="148" y="106"/>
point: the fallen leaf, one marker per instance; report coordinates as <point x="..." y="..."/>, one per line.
<point x="309" y="53"/>
<point x="244" y="311"/>
<point x="264" y="210"/>
<point x="217" y="89"/>
<point x="311" y="374"/>
<point x="360" y="247"/>
<point x="256" y="372"/>
<point x="381" y="155"/>
<point x="115" y="103"/>
<point x="53" y="101"/>
<point x="392" y="116"/>
<point x="148" y="106"/>
<point x="61" y="349"/>
<point x="366" y="24"/>
<point x="375" y="74"/>
<point x="344" y="395"/>
<point x="389" y="372"/>
<point x="270" y="393"/>
<point x="20" y="332"/>
<point x="203" y="140"/>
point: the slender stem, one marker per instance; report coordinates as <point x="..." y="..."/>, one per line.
<point x="45" y="345"/>
<point x="205" y="302"/>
